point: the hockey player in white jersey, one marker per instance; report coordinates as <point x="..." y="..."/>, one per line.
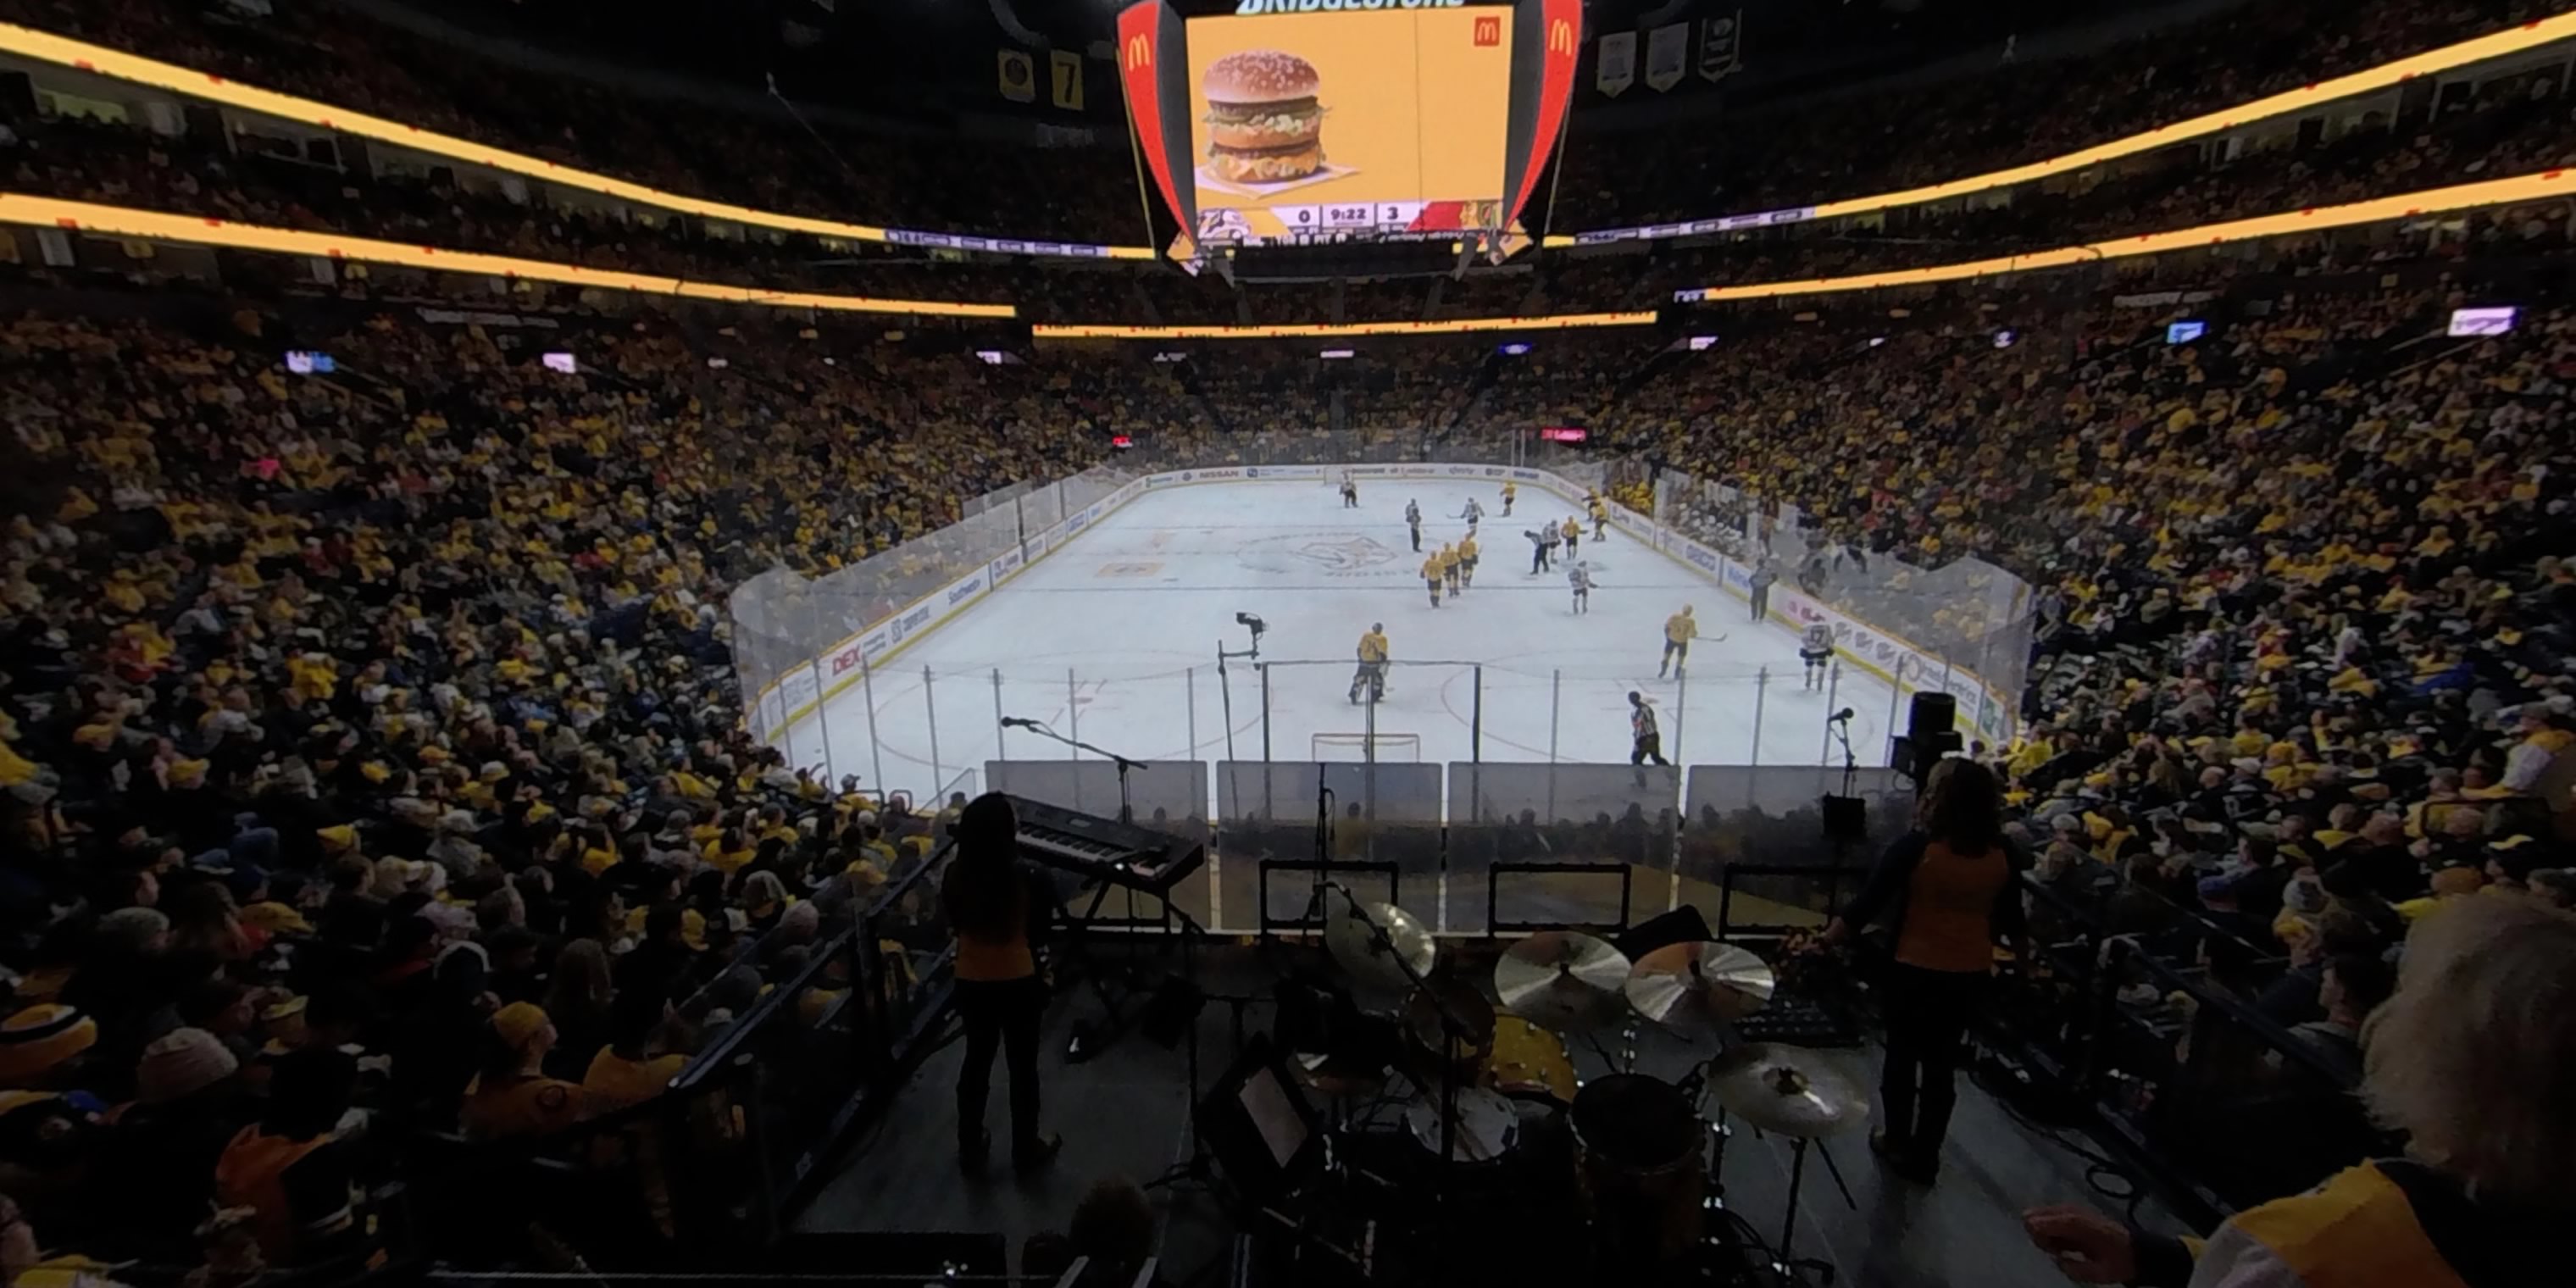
<point x="1473" y="514"/>
<point x="1815" y="650"/>
<point x="1413" y="520"/>
<point x="1579" y="577"/>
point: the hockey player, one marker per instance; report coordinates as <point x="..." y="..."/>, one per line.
<point x="1573" y="535"/>
<point x="1600" y="517"/>
<point x="1372" y="672"/>
<point x="1509" y="491"/>
<point x="1579" y="576"/>
<point x="1647" y="742"/>
<point x="1413" y="520"/>
<point x="1431" y="575"/>
<point x="1473" y="514"/>
<point x="1350" y="491"/>
<point x="1549" y="537"/>
<point x="1448" y="557"/>
<point x="1679" y="630"/>
<point x="1467" y="560"/>
<point x="1815" y="649"/>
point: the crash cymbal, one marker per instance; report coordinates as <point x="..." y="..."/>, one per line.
<point x="1790" y="1090"/>
<point x="1351" y="935"/>
<point x="1561" y="980"/>
<point x="1697" y="989"/>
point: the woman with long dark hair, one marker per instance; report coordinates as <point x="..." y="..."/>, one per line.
<point x="997" y="908"/>
<point x="1948" y="892"/>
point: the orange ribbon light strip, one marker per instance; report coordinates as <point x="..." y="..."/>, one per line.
<point x="198" y="230"/>
<point x="2500" y="44"/>
<point x="1338" y="330"/>
<point x="2548" y="185"/>
<point x="100" y="60"/>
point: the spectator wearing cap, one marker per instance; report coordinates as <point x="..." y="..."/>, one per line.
<point x="2541" y="769"/>
<point x="513" y="1096"/>
<point x="161" y="1156"/>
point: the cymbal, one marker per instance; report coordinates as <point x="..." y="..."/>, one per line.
<point x="1698" y="989"/>
<point x="1558" y="979"/>
<point x="1351" y="936"/>
<point x="1791" y="1090"/>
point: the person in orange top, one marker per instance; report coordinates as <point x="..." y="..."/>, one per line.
<point x="1948" y="892"/>
<point x="291" y="1168"/>
<point x="997" y="908"/>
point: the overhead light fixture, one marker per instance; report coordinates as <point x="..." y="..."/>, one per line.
<point x="1515" y="349"/>
<point x="1339" y="353"/>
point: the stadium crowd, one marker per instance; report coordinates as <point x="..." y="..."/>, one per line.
<point x="371" y="766"/>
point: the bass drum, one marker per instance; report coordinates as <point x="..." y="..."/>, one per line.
<point x="1641" y="1166"/>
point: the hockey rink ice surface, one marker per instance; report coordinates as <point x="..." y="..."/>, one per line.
<point x="1113" y="638"/>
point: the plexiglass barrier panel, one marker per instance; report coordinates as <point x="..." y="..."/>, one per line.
<point x="1585" y="818"/>
<point x="1773" y="816"/>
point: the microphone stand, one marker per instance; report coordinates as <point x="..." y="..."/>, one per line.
<point x="1126" y="810"/>
<point x="1453" y="1029"/>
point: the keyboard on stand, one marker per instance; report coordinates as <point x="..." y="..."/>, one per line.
<point x="1105" y="850"/>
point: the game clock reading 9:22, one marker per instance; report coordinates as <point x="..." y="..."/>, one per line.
<point x="1350" y="123"/>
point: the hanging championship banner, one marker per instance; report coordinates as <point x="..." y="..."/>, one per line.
<point x="1065" y="80"/>
<point x="1667" y="55"/>
<point x="1017" y="78"/>
<point x="1721" y="47"/>
<point x="1614" y="66"/>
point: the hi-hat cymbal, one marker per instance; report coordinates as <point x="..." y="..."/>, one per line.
<point x="1697" y="989"/>
<point x="1351" y="935"/>
<point x="1558" y="979"/>
<point x="1790" y="1090"/>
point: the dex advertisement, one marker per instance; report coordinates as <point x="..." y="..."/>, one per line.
<point x="1349" y="123"/>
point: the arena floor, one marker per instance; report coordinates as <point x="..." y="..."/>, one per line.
<point x="1112" y="639"/>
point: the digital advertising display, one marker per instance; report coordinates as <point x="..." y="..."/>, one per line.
<point x="1383" y="122"/>
<point x="1288" y="122"/>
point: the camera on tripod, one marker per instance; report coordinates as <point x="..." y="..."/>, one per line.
<point x="1256" y="625"/>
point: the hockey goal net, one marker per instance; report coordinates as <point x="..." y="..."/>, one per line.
<point x="1357" y="746"/>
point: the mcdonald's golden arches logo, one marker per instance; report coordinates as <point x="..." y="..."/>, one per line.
<point x="1560" y="37"/>
<point x="1140" y="51"/>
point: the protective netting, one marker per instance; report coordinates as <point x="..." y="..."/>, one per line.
<point x="1964" y="626"/>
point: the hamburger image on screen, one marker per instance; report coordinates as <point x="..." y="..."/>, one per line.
<point x="1264" y="123"/>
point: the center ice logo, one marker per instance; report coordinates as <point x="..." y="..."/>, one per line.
<point x="1334" y="554"/>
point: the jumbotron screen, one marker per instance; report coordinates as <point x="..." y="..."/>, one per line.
<point x="1289" y="121"/>
<point x="1349" y="122"/>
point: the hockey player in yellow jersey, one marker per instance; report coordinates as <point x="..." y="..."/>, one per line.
<point x="1449" y="568"/>
<point x="1600" y="516"/>
<point x="1467" y="560"/>
<point x="1509" y="492"/>
<point x="1372" y="672"/>
<point x="1679" y="630"/>
<point x="1573" y="536"/>
<point x="1431" y="574"/>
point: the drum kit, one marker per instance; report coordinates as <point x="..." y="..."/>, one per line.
<point x="1644" y="1175"/>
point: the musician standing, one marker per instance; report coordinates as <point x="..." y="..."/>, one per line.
<point x="997" y="908"/>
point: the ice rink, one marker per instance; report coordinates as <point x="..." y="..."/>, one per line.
<point x="1113" y="638"/>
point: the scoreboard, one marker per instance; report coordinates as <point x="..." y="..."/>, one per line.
<point x="1303" y="123"/>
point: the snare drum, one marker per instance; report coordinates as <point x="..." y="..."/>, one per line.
<point x="1640" y="1163"/>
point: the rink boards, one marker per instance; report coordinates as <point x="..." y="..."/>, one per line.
<point x="798" y="695"/>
